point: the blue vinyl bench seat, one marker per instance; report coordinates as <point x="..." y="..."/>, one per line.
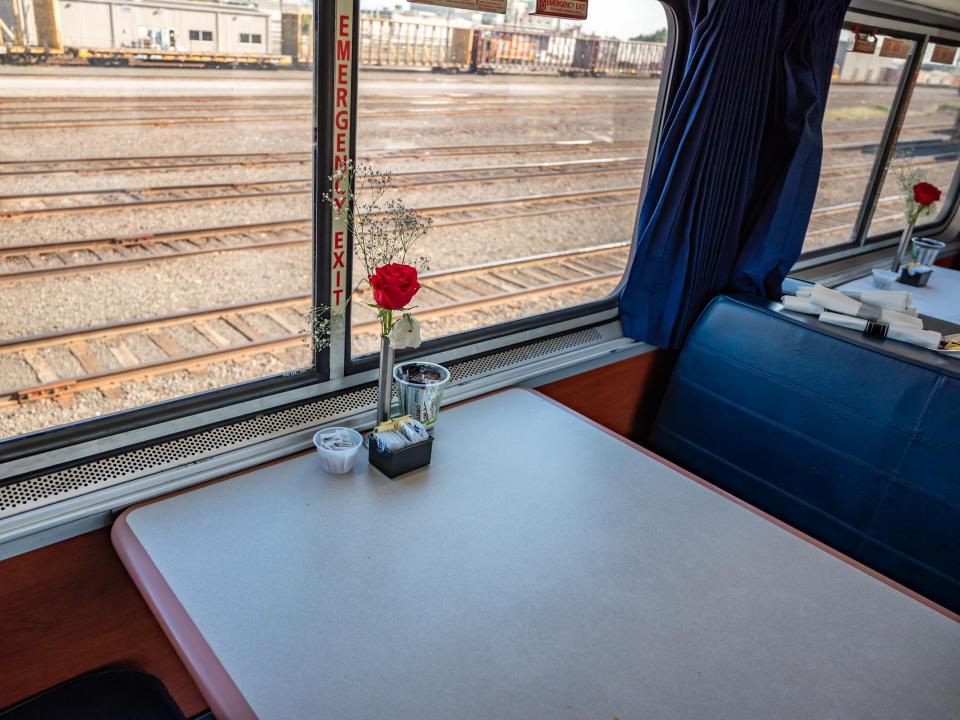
<point x="853" y="440"/>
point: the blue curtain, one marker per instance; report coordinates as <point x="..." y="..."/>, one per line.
<point x="736" y="174"/>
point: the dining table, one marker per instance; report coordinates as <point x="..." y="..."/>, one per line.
<point x="540" y="567"/>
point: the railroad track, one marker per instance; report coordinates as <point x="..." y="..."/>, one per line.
<point x="277" y="111"/>
<point x="98" y="201"/>
<point x="18" y="207"/>
<point x="162" y="163"/>
<point x="835" y="220"/>
<point x="864" y="168"/>
<point x="24" y="262"/>
<point x="190" y="341"/>
<point x="149" y="163"/>
<point x="398" y="104"/>
<point x="111" y="101"/>
<point x="44" y="260"/>
<point x="152" y="163"/>
<point x="306" y="115"/>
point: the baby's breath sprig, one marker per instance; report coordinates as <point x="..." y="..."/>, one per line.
<point x="384" y="230"/>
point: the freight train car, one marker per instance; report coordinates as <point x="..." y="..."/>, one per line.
<point x="116" y="32"/>
<point x="29" y="37"/>
<point x="385" y="42"/>
<point x="599" y="57"/>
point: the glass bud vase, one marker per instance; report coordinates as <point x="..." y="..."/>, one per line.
<point x="902" y="247"/>
<point x="385" y="384"/>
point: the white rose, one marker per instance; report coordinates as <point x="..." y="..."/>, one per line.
<point x="405" y="333"/>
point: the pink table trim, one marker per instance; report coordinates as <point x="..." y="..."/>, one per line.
<point x="756" y="511"/>
<point x="215" y="684"/>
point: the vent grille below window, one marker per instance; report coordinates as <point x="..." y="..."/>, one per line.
<point x="71" y="482"/>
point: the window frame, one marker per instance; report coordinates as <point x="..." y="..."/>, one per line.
<point x="951" y="195"/>
<point x="594" y="312"/>
<point x="23" y="456"/>
<point x="43" y="451"/>
<point x="861" y="242"/>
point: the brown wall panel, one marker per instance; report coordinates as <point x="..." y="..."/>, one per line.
<point x="623" y="396"/>
<point x="949" y="261"/>
<point x="71" y="608"/>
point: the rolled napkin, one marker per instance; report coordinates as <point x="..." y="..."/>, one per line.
<point x="898" y="300"/>
<point x="839" y="302"/>
<point x="847" y="321"/>
<point x="922" y="338"/>
<point x="836" y="301"/>
<point x="929" y="339"/>
<point x="800" y="305"/>
<point x="893" y="317"/>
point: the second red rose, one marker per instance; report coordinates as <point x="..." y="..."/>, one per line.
<point x="926" y="193"/>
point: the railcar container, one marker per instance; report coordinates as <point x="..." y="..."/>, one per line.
<point x="392" y="43"/>
<point x="296" y="38"/>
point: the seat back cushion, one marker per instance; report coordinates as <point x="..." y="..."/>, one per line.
<point x="104" y="695"/>
<point x="853" y="440"/>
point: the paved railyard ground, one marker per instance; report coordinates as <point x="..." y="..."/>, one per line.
<point x="59" y="113"/>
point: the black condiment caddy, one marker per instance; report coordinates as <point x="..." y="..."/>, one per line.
<point x="398" y="462"/>
<point x="915" y="279"/>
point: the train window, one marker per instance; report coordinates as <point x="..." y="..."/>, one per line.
<point x="155" y="223"/>
<point x="194" y="34"/>
<point x="866" y="73"/>
<point x="244" y="37"/>
<point x="255" y="39"/>
<point x="929" y="144"/>
<point x="207" y="35"/>
<point x="523" y="138"/>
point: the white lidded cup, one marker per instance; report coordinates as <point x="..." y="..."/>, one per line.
<point x="337" y="448"/>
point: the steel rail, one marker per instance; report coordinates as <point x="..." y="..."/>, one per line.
<point x="420" y="178"/>
<point x="399" y="105"/>
<point x="415" y="179"/>
<point x="64" y="388"/>
<point x="527" y="206"/>
<point x="83" y="166"/>
<point x="61" y="337"/>
<point x="276" y="118"/>
<point x="231" y="197"/>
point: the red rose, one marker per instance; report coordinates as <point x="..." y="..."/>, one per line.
<point x="925" y="193"/>
<point x="394" y="285"/>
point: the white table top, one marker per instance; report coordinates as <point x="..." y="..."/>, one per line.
<point x="940" y="298"/>
<point x="539" y="568"/>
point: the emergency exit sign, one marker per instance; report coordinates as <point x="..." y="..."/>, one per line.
<point x="568" y="9"/>
<point x="492" y="6"/>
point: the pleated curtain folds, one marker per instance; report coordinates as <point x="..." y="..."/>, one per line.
<point x="730" y="195"/>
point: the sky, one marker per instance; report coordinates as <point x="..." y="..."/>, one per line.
<point x="611" y="18"/>
<point x="624" y="18"/>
